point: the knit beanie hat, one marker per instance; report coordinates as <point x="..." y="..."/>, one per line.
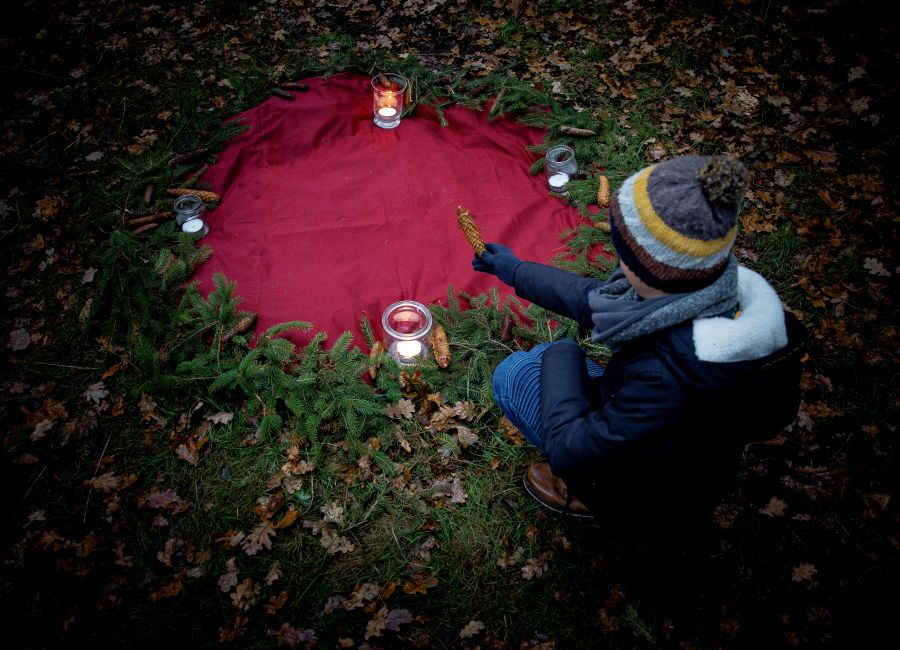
<point x="674" y="223"/>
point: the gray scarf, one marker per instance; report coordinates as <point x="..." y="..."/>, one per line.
<point x="621" y="315"/>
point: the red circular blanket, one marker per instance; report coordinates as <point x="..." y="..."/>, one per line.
<point x="327" y="218"/>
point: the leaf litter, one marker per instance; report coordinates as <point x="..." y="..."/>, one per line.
<point x="821" y="206"/>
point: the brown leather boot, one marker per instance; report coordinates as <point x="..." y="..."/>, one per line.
<point x="551" y="492"/>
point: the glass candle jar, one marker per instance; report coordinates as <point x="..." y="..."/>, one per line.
<point x="188" y="206"/>
<point x="388" y="96"/>
<point x="407" y="327"/>
<point x="561" y="166"/>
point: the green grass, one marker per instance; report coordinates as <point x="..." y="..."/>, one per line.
<point x="168" y="350"/>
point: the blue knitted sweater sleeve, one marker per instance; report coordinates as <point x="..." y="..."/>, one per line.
<point x="559" y="291"/>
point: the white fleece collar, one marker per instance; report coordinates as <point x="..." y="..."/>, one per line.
<point x="759" y="330"/>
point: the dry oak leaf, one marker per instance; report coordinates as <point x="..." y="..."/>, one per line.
<point x="147" y="407"/>
<point x="754" y="221"/>
<point x="276" y="602"/>
<point x="420" y="583"/>
<point x="295" y="464"/>
<point x="87" y="546"/>
<point x="220" y="417"/>
<point x="106" y="482"/>
<point x="19" y="339"/>
<point x="288" y="519"/>
<point x="47" y="207"/>
<point x="37" y="515"/>
<point x="293" y="638"/>
<point x="465" y="410"/>
<point x="510" y="432"/>
<point x="315" y="527"/>
<point x="443" y="419"/>
<point x="472" y="628"/>
<point x="174" y="547"/>
<point x="41" y="429"/>
<point x="238" y="627"/>
<point x="821" y="157"/>
<point x="96" y="393"/>
<point x="228" y="580"/>
<point x="362" y="596"/>
<point x="423" y="551"/>
<point x="366" y="592"/>
<point x="190" y="451"/>
<point x="167" y="500"/>
<point x="268" y="506"/>
<point x="273" y="574"/>
<point x="333" y="543"/>
<point x="333" y="513"/>
<point x="403" y="408"/>
<point x="259" y="538"/>
<point x="454" y="485"/>
<point x="608" y="623"/>
<point x="291" y="485"/>
<point x="803" y="572"/>
<point x="536" y="567"/>
<point x="775" y="508"/>
<point x="169" y="590"/>
<point x="457" y="495"/>
<point x="401" y="439"/>
<point x="244" y="596"/>
<point x="855" y="73"/>
<point x="121" y="558"/>
<point x="465" y="436"/>
<point x="387" y="620"/>
<point x="873" y="266"/>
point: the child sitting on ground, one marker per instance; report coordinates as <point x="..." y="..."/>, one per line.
<point x="704" y="358"/>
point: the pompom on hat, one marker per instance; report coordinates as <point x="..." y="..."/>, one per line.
<point x="674" y="223"/>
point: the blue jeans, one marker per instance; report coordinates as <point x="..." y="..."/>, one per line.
<point x="517" y="389"/>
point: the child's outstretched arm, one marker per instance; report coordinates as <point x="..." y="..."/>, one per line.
<point x="559" y="291"/>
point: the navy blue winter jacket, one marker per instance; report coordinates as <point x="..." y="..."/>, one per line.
<point x="662" y="430"/>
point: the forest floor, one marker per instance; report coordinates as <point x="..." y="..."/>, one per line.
<point x="137" y="515"/>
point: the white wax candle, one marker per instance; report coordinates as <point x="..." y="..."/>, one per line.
<point x="409" y="349"/>
<point x="192" y="225"/>
<point x="558" y="180"/>
<point x="387" y="111"/>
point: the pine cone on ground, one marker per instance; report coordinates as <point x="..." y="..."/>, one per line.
<point x="603" y="193"/>
<point x="440" y="346"/>
<point x="206" y="197"/>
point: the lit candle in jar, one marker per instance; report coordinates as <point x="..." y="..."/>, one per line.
<point x="389" y="94"/>
<point x="407" y="325"/>
<point x="561" y="166"/>
<point x="409" y="349"/>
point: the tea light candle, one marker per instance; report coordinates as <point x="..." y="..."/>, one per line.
<point x="194" y="226"/>
<point x="558" y="181"/>
<point x="409" y="349"/>
<point x="387" y="111"/>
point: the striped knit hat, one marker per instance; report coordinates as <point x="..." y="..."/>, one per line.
<point x="674" y="223"/>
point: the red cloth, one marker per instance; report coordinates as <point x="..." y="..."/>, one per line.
<point x="326" y="218"/>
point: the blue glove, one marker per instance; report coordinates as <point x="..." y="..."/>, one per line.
<point x="499" y="260"/>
